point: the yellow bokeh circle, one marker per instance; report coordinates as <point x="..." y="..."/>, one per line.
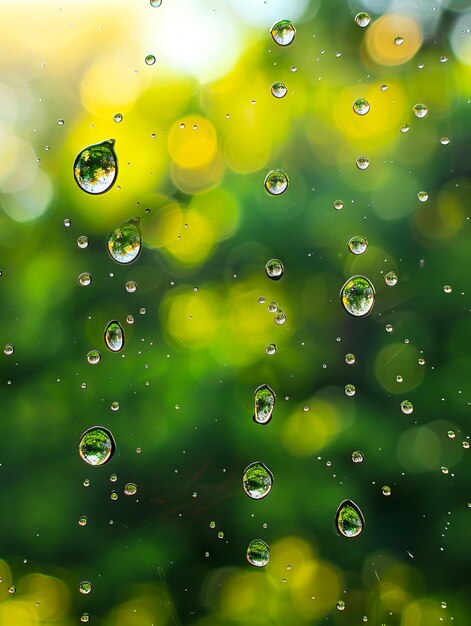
<point x="380" y="36"/>
<point x="192" y="142"/>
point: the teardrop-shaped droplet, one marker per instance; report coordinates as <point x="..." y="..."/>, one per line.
<point x="279" y="90"/>
<point x="362" y="19"/>
<point x="258" y="553"/>
<point x="358" y="296"/>
<point x="276" y="182"/>
<point x="96" y="167"/>
<point x="358" y="244"/>
<point x="96" y="445"/>
<point x="257" y="480"/>
<point x="125" y="242"/>
<point x="114" y="336"/>
<point x="283" y="32"/>
<point x="349" y="520"/>
<point x="361" y="106"/>
<point x="264" y="404"/>
<point x="274" y="269"/>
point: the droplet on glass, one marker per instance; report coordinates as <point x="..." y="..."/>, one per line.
<point x="85" y="587"/>
<point x="358" y="244"/>
<point x="124" y="243"/>
<point x="444" y="141"/>
<point x="60" y="121"/>
<point x="8" y="349"/>
<point x="443" y="59"/>
<point x="420" y="110"/>
<point x="361" y="106"/>
<point x="407" y="407"/>
<point x="350" y="390"/>
<point x="279" y="90"/>
<point x="358" y="296"/>
<point x="257" y="480"/>
<point x="389" y="328"/>
<point x="386" y="490"/>
<point x="444" y="470"/>
<point x="422" y="196"/>
<point x="96" y="167"/>
<point x="341" y="605"/>
<point x="212" y="524"/>
<point x="85" y="617"/>
<point x="280" y="318"/>
<point x="258" y="553"/>
<point x="338" y="204"/>
<point x="82" y="242"/>
<point x="114" y="336"/>
<point x="349" y="520"/>
<point x="405" y="128"/>
<point x="390" y="279"/>
<point x="447" y="289"/>
<point x="12" y="589"/>
<point x="93" y="357"/>
<point x="362" y="163"/>
<point x="350" y="358"/>
<point x="83" y="520"/>
<point x="357" y="456"/>
<point x="84" y="279"/>
<point x="276" y="182"/>
<point x="67" y="222"/>
<point x="283" y="32"/>
<point x="115" y="406"/>
<point x="117" y="117"/>
<point x="398" y="40"/>
<point x="130" y="489"/>
<point x="131" y="286"/>
<point x="383" y="87"/>
<point x="96" y="446"/>
<point x="274" y="269"/>
<point x="155" y="3"/>
<point x="271" y="348"/>
<point x="362" y="19"/>
<point x="264" y="404"/>
<point x="150" y="59"/>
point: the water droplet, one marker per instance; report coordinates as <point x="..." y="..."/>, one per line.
<point x="399" y="378"/>
<point x="357" y="456"/>
<point x="117" y="117"/>
<point x="155" y="3"/>
<point x="447" y="289"/>
<point x="258" y="553"/>
<point x="85" y="617"/>
<point x="9" y="349"/>
<point x="257" y="480"/>
<point x="443" y="59"/>
<point x="338" y="204"/>
<point x="384" y="87"/>
<point x="283" y="32"/>
<point x="83" y="520"/>
<point x="274" y="269"/>
<point x="421" y="361"/>
<point x="131" y="286"/>
<point x="422" y="196"/>
<point x="362" y="163"/>
<point x="341" y="605"/>
<point x="357" y="296"/>
<point x="12" y="589"/>
<point x="407" y="407"/>
<point x="150" y="59"/>
<point x="443" y="605"/>
<point x="114" y="336"/>
<point x="115" y="406"/>
<point x="362" y="19"/>
<point x="114" y="496"/>
<point x="358" y="244"/>
<point x="264" y="404"/>
<point x="361" y="106"/>
<point x="84" y="279"/>
<point x="405" y="128"/>
<point x="386" y="490"/>
<point x="82" y="242"/>
<point x="279" y="90"/>
<point x="93" y="357"/>
<point x="465" y="445"/>
<point x="96" y="167"/>
<point x="280" y="318"/>
<point x="86" y="483"/>
<point x="130" y="319"/>
<point x="130" y="489"/>
<point x="390" y="279"/>
<point x="349" y="520"/>
<point x="271" y="348"/>
<point x="350" y="358"/>
<point x="60" y="122"/>
<point x="444" y="141"/>
<point x="85" y="587"/>
<point x="350" y="390"/>
<point x="113" y="478"/>
<point x="420" y="110"/>
<point x="261" y="300"/>
<point x="272" y="307"/>
<point x="67" y="222"/>
<point x="389" y="328"/>
<point x="444" y="470"/>
<point x="398" y="40"/>
<point x="451" y="434"/>
<point x="96" y="446"/>
<point x="212" y="524"/>
<point x="124" y="243"/>
<point x="276" y="182"/>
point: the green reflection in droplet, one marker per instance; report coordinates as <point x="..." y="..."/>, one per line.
<point x="96" y="446"/>
<point x="349" y="520"/>
<point x="114" y="336"/>
<point x="264" y="404"/>
<point x="257" y="480"/>
<point x="96" y="167"/>
<point x="125" y="242"/>
<point x="258" y="553"/>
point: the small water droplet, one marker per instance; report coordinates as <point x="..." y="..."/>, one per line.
<point x="117" y="117"/>
<point x="272" y="307"/>
<point x="115" y="406"/>
<point x="258" y="553"/>
<point x="114" y="336"/>
<point x="155" y="3"/>
<point x="451" y="434"/>
<point x="386" y="490"/>
<point x="341" y="605"/>
<point x="357" y="456"/>
<point x="60" y="121"/>
<point x="447" y="289"/>
<point x="96" y="167"/>
<point x="280" y="318"/>
<point x="283" y="32"/>
<point x="338" y="204"/>
<point x="444" y="141"/>
<point x="67" y="222"/>
<point x="349" y="520"/>
<point x="113" y="478"/>
<point x="274" y="269"/>
<point x="8" y="349"/>
<point x="85" y="587"/>
<point x="362" y="19"/>
<point x="131" y="286"/>
<point x="271" y="348"/>
<point x="361" y="106"/>
<point x="220" y="535"/>
<point x="82" y="242"/>
<point x="443" y="605"/>
<point x="96" y="446"/>
<point x="390" y="279"/>
<point x="279" y="90"/>
<point x="422" y="196"/>
<point x="405" y="128"/>
<point x="383" y="87"/>
<point x="85" y="617"/>
<point x="420" y="110"/>
<point x="264" y="404"/>
<point x="130" y="319"/>
<point x="445" y="470"/>
<point x="257" y="480"/>
<point x="83" y="520"/>
<point x="130" y="489"/>
<point x="358" y="244"/>
<point x="212" y="524"/>
<point x="362" y="162"/>
<point x="150" y="59"/>
<point x="124" y="243"/>
<point x="399" y="379"/>
<point x="350" y="390"/>
<point x="357" y="296"/>
<point x="389" y="328"/>
<point x="93" y="357"/>
<point x="465" y="445"/>
<point x="398" y="40"/>
<point x="407" y="407"/>
<point x="261" y="300"/>
<point x="84" y="279"/>
<point x="276" y="182"/>
<point x="12" y="589"/>
<point x="443" y="59"/>
<point x="114" y="496"/>
<point x="350" y="358"/>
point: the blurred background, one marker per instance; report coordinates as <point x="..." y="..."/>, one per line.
<point x="199" y="130"/>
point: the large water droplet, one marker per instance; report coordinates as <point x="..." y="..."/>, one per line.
<point x="150" y="59"/>
<point x="270" y="348"/>
<point x="264" y="404"/>
<point x="274" y="269"/>
<point x="407" y="407"/>
<point x="362" y="162"/>
<point x="130" y="489"/>
<point x="279" y="90"/>
<point x="358" y="244"/>
<point x="93" y="357"/>
<point x="349" y="520"/>
<point x="257" y="480"/>
<point x="258" y="553"/>
<point x="357" y="296"/>
<point x="96" y="167"/>
<point x="362" y="19"/>
<point x="276" y="182"/>
<point x="420" y="110"/>
<point x="124" y="243"/>
<point x="283" y="32"/>
<point x="96" y="445"/>
<point x="361" y="106"/>
<point x="114" y="336"/>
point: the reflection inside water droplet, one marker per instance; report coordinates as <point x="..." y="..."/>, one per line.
<point x="279" y="90"/>
<point x="357" y="456"/>
<point x="85" y="587"/>
<point x="264" y="404"/>
<point x="84" y="279"/>
<point x="283" y="32"/>
<point x="274" y="269"/>
<point x="124" y="243"/>
<point x="130" y="489"/>
<point x="407" y="407"/>
<point x="390" y="279"/>
<point x="349" y="520"/>
<point x="358" y="244"/>
<point x="93" y="357"/>
<point x="362" y="163"/>
<point x="96" y="445"/>
<point x="276" y="182"/>
<point x="271" y="348"/>
<point x="114" y="336"/>
<point x="361" y="106"/>
<point x="358" y="296"/>
<point x="96" y="167"/>
<point x="258" y="553"/>
<point x="420" y="110"/>
<point x="257" y="480"/>
<point x="150" y="59"/>
<point x="82" y="242"/>
<point x="362" y="19"/>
